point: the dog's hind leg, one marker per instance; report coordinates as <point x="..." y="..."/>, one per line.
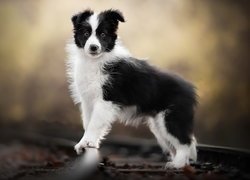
<point x="180" y="152"/>
<point x="177" y="127"/>
<point x="156" y="129"/>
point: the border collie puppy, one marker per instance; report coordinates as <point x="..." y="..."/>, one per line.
<point x="110" y="85"/>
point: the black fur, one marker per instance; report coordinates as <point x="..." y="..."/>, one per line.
<point x="134" y="82"/>
<point x="112" y="15"/>
<point x="81" y="17"/>
<point x="108" y="25"/>
<point x="81" y="27"/>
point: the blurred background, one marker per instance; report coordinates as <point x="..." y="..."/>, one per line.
<point x="207" y="42"/>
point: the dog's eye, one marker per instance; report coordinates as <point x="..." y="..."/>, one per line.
<point x="86" y="34"/>
<point x="103" y="35"/>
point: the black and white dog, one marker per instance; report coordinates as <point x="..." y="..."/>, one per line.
<point x="110" y="85"/>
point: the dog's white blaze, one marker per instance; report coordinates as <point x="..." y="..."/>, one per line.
<point x="93" y="40"/>
<point x="94" y="22"/>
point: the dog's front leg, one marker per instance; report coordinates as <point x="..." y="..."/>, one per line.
<point x="103" y="116"/>
<point x="85" y="114"/>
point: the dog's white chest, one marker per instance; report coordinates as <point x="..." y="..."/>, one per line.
<point x="89" y="80"/>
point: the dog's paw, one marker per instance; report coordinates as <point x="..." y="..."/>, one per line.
<point x="89" y="144"/>
<point x="78" y="148"/>
<point x="176" y="164"/>
<point x="169" y="165"/>
<point x="85" y="144"/>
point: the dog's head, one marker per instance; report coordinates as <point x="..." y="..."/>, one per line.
<point x="96" y="33"/>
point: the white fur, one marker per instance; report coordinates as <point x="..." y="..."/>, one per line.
<point x="92" y="40"/>
<point x="86" y="79"/>
<point x="128" y="116"/>
<point x="93" y="21"/>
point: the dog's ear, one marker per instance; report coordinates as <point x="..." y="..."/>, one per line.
<point x="115" y="15"/>
<point x="80" y="17"/>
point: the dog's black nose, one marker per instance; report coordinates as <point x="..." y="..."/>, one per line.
<point x="93" y="47"/>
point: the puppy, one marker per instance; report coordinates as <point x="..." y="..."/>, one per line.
<point x="110" y="84"/>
